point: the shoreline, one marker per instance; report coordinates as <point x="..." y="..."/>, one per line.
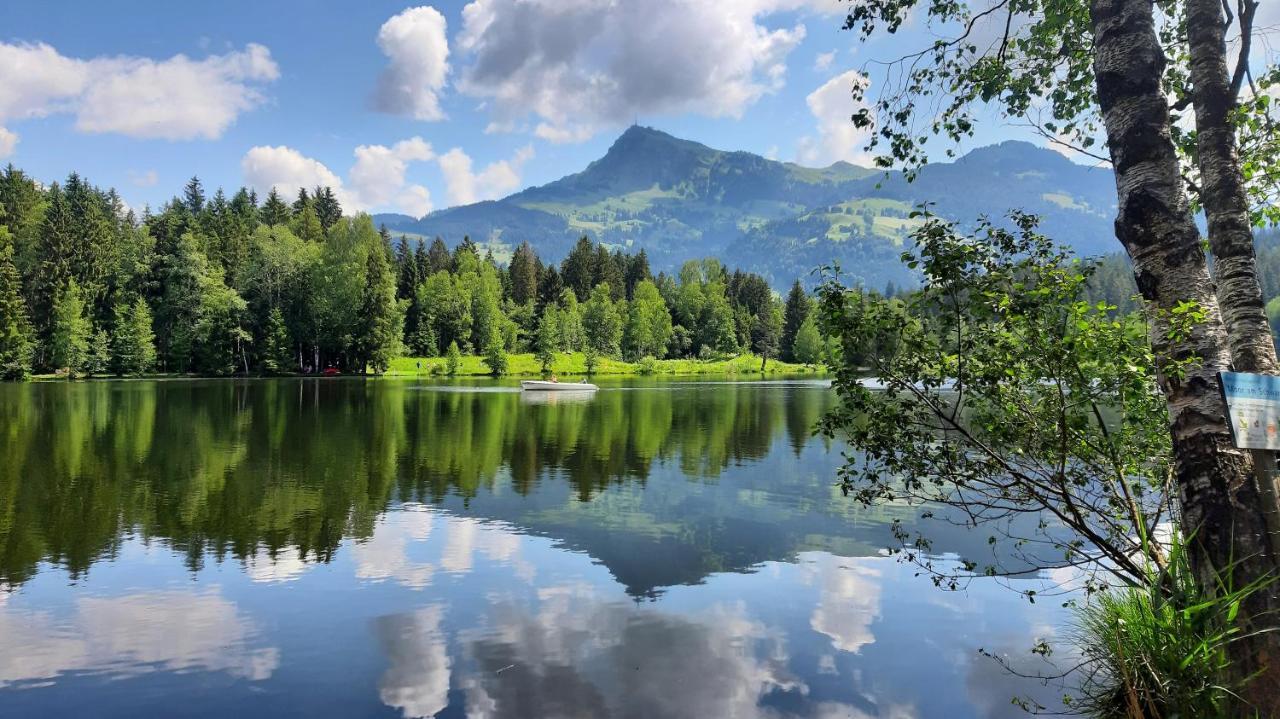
<point x="522" y="365"/>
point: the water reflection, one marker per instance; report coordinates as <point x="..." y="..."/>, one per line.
<point x="310" y="548"/>
<point x="132" y="635"/>
<point x="284" y="470"/>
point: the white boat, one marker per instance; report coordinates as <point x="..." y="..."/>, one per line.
<point x="542" y="386"/>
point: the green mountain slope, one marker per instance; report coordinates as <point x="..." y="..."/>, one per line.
<point x="680" y="200"/>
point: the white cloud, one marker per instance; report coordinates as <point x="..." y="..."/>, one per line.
<point x="824" y="60"/>
<point x="132" y="635"/>
<point x="146" y="178"/>
<point x="287" y="170"/>
<point x="378" y="177"/>
<point x="832" y="105"/>
<point x="415" y="200"/>
<point x="577" y="67"/>
<point x="174" y="99"/>
<point x="417" y="48"/>
<point x="496" y="179"/>
<point x="417" y="679"/>
<point x="8" y="141"/>
<point x="376" y="180"/>
<point x="848" y="605"/>
<point x="385" y="555"/>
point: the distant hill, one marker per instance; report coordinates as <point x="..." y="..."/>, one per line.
<point x="681" y="200"/>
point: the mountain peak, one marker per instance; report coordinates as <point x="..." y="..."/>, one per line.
<point x="639" y="138"/>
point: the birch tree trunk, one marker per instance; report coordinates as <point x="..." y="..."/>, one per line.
<point x="1222" y="511"/>
<point x="1222" y="193"/>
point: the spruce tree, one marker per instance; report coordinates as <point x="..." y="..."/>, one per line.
<point x="274" y="211"/>
<point x="17" y="341"/>
<point x="193" y="196"/>
<point x="453" y="359"/>
<point x="99" y="361"/>
<point x="381" y="316"/>
<point x="133" y="347"/>
<point x="70" y="332"/>
<point x="438" y="258"/>
<point x="796" y="312"/>
<point x="327" y="207"/>
<point x="524" y="274"/>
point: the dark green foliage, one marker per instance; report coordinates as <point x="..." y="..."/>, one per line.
<point x="327" y="207"/>
<point x="237" y="288"/>
<point x="766" y="334"/>
<point x="524" y="274"/>
<point x="381" y="316"/>
<point x="578" y="270"/>
<point x="274" y="210"/>
<point x="794" y="316"/>
<point x="17" y="341"/>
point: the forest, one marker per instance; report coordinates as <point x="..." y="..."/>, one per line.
<point x="231" y="285"/>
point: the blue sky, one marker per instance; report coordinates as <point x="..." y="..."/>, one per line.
<point x="450" y="102"/>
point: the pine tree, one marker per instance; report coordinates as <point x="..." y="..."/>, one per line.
<point x="578" y="270"/>
<point x="406" y="269"/>
<point x="277" y="355"/>
<point x="637" y="272"/>
<point x="327" y="207"/>
<point x="524" y="274"/>
<point x="306" y="224"/>
<point x="303" y="202"/>
<point x="17" y="341"/>
<point x="495" y="352"/>
<point x="133" y="346"/>
<point x="766" y="333"/>
<point x="274" y="211"/>
<point x="381" y="316"/>
<point x="796" y="312"/>
<point x="99" y="361"/>
<point x="438" y="258"/>
<point x="193" y="196"/>
<point x="70" y="332"/>
<point x="453" y="359"/>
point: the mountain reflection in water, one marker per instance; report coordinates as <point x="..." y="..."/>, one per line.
<point x="330" y="548"/>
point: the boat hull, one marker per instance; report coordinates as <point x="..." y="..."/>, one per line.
<point x="541" y="386"/>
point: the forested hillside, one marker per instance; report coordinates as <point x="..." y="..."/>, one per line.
<point x="221" y="285"/>
<point x="679" y="200"/>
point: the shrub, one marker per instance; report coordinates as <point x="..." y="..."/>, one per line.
<point x="1160" y="650"/>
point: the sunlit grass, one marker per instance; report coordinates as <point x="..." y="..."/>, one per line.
<point x="574" y="363"/>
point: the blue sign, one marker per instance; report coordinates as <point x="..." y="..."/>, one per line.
<point x="1253" y="407"/>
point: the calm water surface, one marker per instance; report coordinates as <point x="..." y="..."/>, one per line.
<point x="391" y="548"/>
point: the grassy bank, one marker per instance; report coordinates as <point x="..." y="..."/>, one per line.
<point x="526" y="365"/>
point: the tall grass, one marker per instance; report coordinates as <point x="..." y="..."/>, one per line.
<point x="1160" y="651"/>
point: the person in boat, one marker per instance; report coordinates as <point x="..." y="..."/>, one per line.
<point x="555" y="378"/>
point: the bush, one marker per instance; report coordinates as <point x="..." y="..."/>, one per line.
<point x="647" y="366"/>
<point x="1160" y="650"/>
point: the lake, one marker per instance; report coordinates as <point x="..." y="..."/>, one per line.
<point x="394" y="548"/>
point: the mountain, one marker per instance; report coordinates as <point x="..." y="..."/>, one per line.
<point x="681" y="200"/>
